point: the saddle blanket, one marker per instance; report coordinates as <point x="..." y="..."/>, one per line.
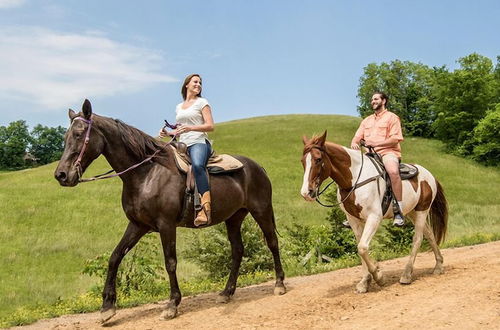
<point x="217" y="164"/>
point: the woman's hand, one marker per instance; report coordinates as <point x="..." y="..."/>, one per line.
<point x="162" y="133"/>
<point x="183" y="129"/>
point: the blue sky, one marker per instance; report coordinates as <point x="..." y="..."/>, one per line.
<point x="259" y="57"/>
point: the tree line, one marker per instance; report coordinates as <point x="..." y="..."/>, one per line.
<point x="459" y="107"/>
<point x="20" y="148"/>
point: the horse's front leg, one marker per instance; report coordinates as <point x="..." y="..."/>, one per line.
<point x="168" y="241"/>
<point x="371" y="226"/>
<point x="357" y="227"/>
<point x="132" y="235"/>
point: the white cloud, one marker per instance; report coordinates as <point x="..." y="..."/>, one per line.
<point x="11" y="3"/>
<point x="54" y="69"/>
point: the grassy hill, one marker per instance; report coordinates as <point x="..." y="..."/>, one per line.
<point x="47" y="231"/>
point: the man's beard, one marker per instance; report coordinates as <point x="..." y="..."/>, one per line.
<point x="377" y="107"/>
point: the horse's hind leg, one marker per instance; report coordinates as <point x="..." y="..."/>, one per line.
<point x="233" y="226"/>
<point x="438" y="269"/>
<point x="132" y="235"/>
<point x="168" y="241"/>
<point x="420" y="223"/>
<point x="266" y="222"/>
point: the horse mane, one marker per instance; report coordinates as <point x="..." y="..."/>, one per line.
<point x="136" y="141"/>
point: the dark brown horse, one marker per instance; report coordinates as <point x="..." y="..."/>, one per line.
<point x="153" y="195"/>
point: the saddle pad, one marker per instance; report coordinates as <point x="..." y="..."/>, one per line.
<point x="217" y="164"/>
<point x="407" y="171"/>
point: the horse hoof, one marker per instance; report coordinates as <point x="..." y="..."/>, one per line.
<point x="222" y="299"/>
<point x="169" y="313"/>
<point x="361" y="288"/>
<point x="405" y="280"/>
<point x="379" y="278"/>
<point x="107" y="314"/>
<point x="279" y="290"/>
<point x="438" y="271"/>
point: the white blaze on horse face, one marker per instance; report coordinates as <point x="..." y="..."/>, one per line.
<point x="304" y="191"/>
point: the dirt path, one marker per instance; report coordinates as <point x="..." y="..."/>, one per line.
<point x="467" y="296"/>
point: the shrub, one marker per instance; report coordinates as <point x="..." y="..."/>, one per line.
<point x="321" y="243"/>
<point x="141" y="270"/>
<point x="397" y="239"/>
<point x="211" y="251"/>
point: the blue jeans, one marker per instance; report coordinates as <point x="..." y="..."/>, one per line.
<point x="199" y="153"/>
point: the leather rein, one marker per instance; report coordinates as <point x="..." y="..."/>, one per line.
<point x="106" y="175"/>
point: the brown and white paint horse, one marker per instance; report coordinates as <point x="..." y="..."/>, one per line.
<point x="423" y="198"/>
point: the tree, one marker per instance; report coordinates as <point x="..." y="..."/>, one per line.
<point x="486" y="139"/>
<point x="462" y="98"/>
<point x="409" y="87"/>
<point x="14" y="141"/>
<point x="47" y="143"/>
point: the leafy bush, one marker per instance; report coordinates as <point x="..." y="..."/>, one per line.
<point x="398" y="239"/>
<point x="210" y="250"/>
<point x="141" y="270"/>
<point x="343" y="236"/>
<point x="320" y="243"/>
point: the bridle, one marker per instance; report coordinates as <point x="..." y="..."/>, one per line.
<point x="78" y="161"/>
<point x="318" y="178"/>
<point x="78" y="164"/>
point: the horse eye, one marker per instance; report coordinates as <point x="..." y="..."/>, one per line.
<point x="318" y="160"/>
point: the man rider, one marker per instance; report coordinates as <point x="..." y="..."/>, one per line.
<point x="382" y="130"/>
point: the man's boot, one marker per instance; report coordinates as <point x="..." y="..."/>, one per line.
<point x="203" y="217"/>
<point x="399" y="220"/>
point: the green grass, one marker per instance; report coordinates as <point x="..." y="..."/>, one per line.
<point x="47" y="231"/>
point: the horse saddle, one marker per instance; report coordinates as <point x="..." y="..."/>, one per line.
<point x="217" y="164"/>
<point x="406" y="171"/>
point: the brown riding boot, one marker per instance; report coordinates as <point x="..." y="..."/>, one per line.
<point x="203" y="216"/>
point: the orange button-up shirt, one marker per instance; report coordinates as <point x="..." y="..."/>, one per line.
<point x="378" y="128"/>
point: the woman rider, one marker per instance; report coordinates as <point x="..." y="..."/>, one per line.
<point x="194" y="119"/>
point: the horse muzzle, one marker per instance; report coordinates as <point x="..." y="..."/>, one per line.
<point x="66" y="178"/>
<point x="310" y="195"/>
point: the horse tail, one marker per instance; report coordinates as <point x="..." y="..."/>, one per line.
<point x="438" y="214"/>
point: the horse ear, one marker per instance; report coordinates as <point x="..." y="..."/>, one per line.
<point x="71" y="114"/>
<point x="304" y="139"/>
<point x="322" y="139"/>
<point x="87" y="109"/>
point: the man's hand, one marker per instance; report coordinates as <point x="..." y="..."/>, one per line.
<point x="354" y="146"/>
